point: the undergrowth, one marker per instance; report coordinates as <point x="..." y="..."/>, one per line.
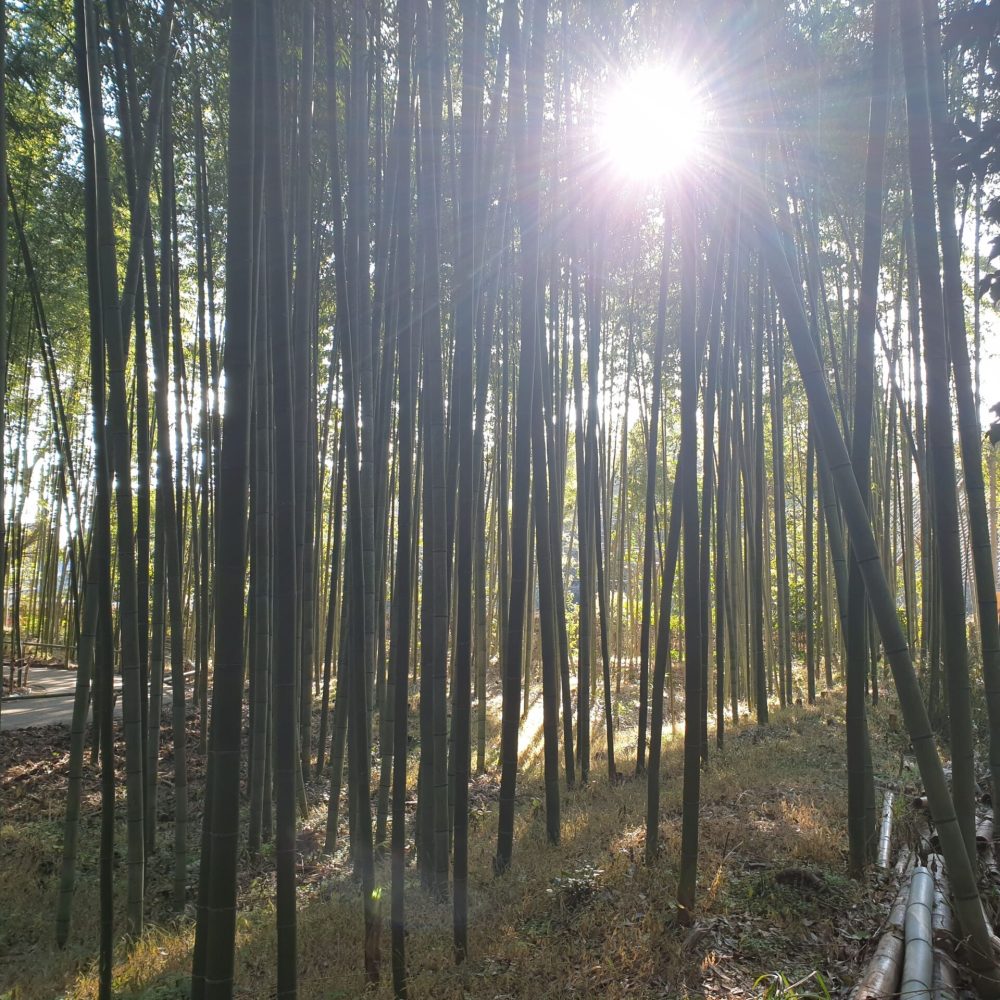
<point x="588" y="918"/>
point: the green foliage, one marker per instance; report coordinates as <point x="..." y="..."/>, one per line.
<point x="974" y="34"/>
<point x="777" y="986"/>
<point x="576" y="887"/>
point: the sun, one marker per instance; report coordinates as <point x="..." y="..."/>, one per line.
<point x="652" y="123"/>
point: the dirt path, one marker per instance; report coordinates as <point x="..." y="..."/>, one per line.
<point x="50" y="701"/>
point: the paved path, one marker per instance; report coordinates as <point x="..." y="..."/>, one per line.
<point x="56" y="688"/>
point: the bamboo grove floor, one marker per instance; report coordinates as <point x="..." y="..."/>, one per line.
<point x="585" y="919"/>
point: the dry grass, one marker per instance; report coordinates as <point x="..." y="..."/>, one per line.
<point x="585" y="919"/>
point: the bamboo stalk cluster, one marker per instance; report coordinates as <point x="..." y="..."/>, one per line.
<point x="453" y="415"/>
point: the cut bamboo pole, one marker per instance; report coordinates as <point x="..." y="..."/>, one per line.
<point x="945" y="986"/>
<point x="904" y="861"/>
<point x="918" y="948"/>
<point x="885" y="834"/>
<point x="882" y="975"/>
<point x="923" y="837"/>
<point x="990" y="865"/>
<point x="984" y="831"/>
<point x="988" y="860"/>
<point x="944" y="927"/>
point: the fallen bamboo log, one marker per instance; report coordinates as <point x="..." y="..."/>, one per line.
<point x="984" y="831"/>
<point x="918" y="948"/>
<point x="885" y="833"/>
<point x="882" y="974"/>
<point x="923" y="838"/>
<point x="945" y="986"/>
<point x="944" y="926"/>
<point x="904" y="861"/>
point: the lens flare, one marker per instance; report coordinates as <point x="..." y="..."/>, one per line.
<point x="652" y="123"/>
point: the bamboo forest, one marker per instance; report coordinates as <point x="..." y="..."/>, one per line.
<point x="499" y="499"/>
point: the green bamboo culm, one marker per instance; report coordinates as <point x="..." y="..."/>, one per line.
<point x="101" y="533"/>
<point x="940" y="438"/>
<point x="3" y="308"/>
<point x="691" y="528"/>
<point x="969" y="431"/>
<point x="284" y="666"/>
<point x="861" y="834"/>
<point x="224" y="752"/>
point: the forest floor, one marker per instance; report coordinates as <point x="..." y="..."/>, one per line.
<point x="588" y="918"/>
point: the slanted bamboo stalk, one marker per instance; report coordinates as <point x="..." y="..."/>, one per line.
<point x="896" y="648"/>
